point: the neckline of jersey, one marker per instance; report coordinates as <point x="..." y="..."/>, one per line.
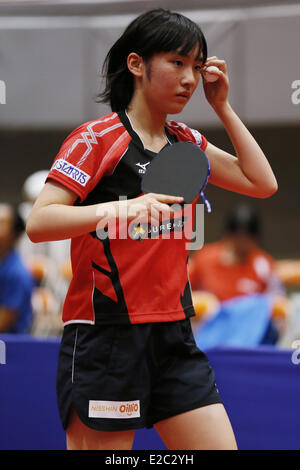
<point x="124" y="118"/>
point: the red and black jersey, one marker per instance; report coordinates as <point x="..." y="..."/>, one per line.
<point x="115" y="279"/>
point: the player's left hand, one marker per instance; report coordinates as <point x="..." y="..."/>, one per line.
<point x="216" y="92"/>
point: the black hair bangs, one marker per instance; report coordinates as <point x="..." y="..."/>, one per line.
<point x="171" y="33"/>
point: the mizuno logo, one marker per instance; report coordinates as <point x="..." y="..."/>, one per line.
<point x="142" y="167"/>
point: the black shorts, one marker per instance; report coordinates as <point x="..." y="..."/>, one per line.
<point x="121" y="377"/>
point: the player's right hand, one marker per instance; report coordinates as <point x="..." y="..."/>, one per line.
<point x="152" y="207"/>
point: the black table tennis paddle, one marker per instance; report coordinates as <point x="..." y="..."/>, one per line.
<point x="181" y="169"/>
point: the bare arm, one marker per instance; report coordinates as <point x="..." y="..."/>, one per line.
<point x="54" y="217"/>
<point x="249" y="172"/>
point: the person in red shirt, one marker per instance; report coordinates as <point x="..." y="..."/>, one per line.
<point x="128" y="358"/>
<point x="235" y="265"/>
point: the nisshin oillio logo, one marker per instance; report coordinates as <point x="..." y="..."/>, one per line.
<point x="114" y="409"/>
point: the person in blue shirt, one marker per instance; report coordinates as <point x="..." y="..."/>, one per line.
<point x="16" y="282"/>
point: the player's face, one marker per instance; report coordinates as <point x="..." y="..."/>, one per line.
<point x="171" y="79"/>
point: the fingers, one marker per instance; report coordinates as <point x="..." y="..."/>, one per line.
<point x="164" y="205"/>
<point x="161" y="206"/>
<point x="166" y="198"/>
<point x="154" y="207"/>
<point x="151" y="209"/>
<point x="214" y="60"/>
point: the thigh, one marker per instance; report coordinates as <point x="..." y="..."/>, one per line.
<point x="81" y="437"/>
<point x="205" y="428"/>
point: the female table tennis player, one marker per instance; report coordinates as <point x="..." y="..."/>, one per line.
<point x="128" y="358"/>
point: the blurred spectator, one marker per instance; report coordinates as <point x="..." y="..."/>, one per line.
<point x="16" y="283"/>
<point x="48" y="261"/>
<point x="236" y="266"/>
<point x="58" y="252"/>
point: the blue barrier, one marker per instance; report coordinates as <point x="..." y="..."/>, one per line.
<point x="260" y="388"/>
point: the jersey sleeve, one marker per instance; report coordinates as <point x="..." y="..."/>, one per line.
<point x="201" y="141"/>
<point x="183" y="132"/>
<point x="78" y="161"/>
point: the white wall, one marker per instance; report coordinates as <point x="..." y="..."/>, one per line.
<point x="49" y="62"/>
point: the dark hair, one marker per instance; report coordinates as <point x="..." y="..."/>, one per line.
<point x="243" y="218"/>
<point x="151" y="33"/>
<point x="18" y="223"/>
